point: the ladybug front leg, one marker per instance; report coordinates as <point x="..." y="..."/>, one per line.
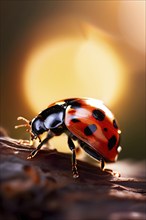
<point x="34" y="152"/>
<point x="74" y="162"/>
<point x="92" y="153"/>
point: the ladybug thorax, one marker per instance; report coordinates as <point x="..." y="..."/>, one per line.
<point x="50" y="118"/>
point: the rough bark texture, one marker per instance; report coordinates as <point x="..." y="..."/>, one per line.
<point x="43" y="188"/>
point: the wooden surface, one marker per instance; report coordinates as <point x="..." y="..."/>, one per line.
<point x="43" y="187"/>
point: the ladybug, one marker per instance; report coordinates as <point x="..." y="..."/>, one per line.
<point x="85" y="120"/>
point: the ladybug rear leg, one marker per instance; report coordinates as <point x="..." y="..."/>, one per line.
<point x="34" y="152"/>
<point x="92" y="153"/>
<point x="74" y="162"/>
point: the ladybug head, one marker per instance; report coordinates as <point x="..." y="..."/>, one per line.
<point x="34" y="127"/>
<point x="37" y="126"/>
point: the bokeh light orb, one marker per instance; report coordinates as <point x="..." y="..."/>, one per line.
<point x="72" y="68"/>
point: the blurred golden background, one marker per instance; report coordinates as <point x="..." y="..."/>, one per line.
<point x="52" y="50"/>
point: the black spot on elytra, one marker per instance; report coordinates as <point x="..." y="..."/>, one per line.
<point x="111" y="142"/>
<point x="105" y="129"/>
<point x="90" y="129"/>
<point x="76" y="104"/>
<point x="75" y="120"/>
<point x="115" y="124"/>
<point x="98" y="114"/>
<point x="70" y="100"/>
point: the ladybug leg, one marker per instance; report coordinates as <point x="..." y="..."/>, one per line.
<point x="92" y="153"/>
<point x="74" y="162"/>
<point x="34" y="152"/>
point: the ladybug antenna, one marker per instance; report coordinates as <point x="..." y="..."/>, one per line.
<point x="27" y="124"/>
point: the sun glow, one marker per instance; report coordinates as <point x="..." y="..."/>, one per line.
<point x="73" y="68"/>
